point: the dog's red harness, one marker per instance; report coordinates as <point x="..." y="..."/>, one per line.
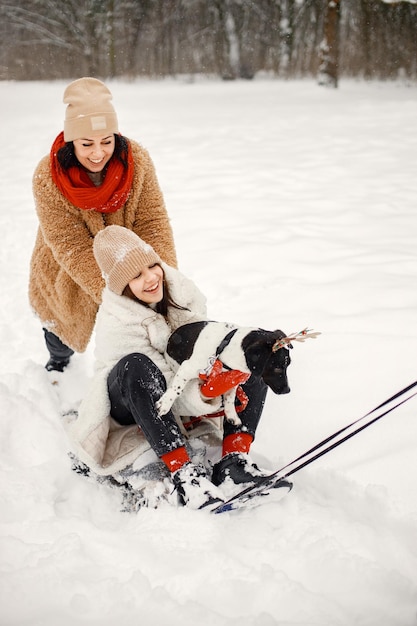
<point x="216" y="381"/>
<point x="219" y="380"/>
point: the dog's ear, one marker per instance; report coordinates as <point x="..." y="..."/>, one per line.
<point x="279" y="334"/>
<point x="257" y="348"/>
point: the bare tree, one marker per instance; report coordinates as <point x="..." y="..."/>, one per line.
<point x="59" y="36"/>
<point x="329" y="47"/>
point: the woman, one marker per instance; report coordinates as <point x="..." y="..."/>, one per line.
<point x="92" y="177"/>
<point x="143" y="302"/>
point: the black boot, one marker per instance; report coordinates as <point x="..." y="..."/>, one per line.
<point x="238" y="468"/>
<point x="59" y="352"/>
<point x="53" y="365"/>
<point x="194" y="488"/>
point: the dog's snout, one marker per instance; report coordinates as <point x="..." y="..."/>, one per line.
<point x="283" y="390"/>
<point x="277" y="383"/>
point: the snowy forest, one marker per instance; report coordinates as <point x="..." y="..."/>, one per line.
<point x="50" y="39"/>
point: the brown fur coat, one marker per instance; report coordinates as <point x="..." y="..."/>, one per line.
<point x="65" y="281"/>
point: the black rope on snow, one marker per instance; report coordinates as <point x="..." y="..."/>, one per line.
<point x="272" y="478"/>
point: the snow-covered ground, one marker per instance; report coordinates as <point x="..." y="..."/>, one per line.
<point x="292" y="206"/>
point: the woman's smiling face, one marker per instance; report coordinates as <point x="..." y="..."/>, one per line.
<point x="148" y="285"/>
<point x="94" y="153"/>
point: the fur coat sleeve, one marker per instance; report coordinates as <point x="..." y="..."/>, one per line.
<point x="124" y="327"/>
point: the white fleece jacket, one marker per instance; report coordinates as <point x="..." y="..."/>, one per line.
<point x="123" y="327"/>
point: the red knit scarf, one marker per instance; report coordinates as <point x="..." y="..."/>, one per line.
<point x="77" y="187"/>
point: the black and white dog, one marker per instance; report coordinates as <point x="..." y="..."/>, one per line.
<point x="254" y="351"/>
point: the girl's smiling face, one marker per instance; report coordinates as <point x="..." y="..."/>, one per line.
<point x="148" y="285"/>
<point x="94" y="153"/>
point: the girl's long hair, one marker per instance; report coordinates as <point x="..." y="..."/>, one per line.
<point x="160" y="307"/>
<point x="66" y="155"/>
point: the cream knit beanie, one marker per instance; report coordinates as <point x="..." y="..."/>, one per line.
<point x="89" y="112"/>
<point x="121" y="254"/>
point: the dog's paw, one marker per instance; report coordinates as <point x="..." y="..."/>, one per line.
<point x="164" y="403"/>
<point x="229" y="407"/>
<point x="232" y="417"/>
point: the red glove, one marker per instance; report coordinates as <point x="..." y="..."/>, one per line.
<point x="217" y="382"/>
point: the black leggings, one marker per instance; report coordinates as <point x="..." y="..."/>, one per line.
<point x="136" y="383"/>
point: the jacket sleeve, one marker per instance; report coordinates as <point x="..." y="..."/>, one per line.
<point x="66" y="233"/>
<point x="124" y="327"/>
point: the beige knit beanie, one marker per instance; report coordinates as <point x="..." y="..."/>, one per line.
<point x="89" y="112"/>
<point x="121" y="254"/>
